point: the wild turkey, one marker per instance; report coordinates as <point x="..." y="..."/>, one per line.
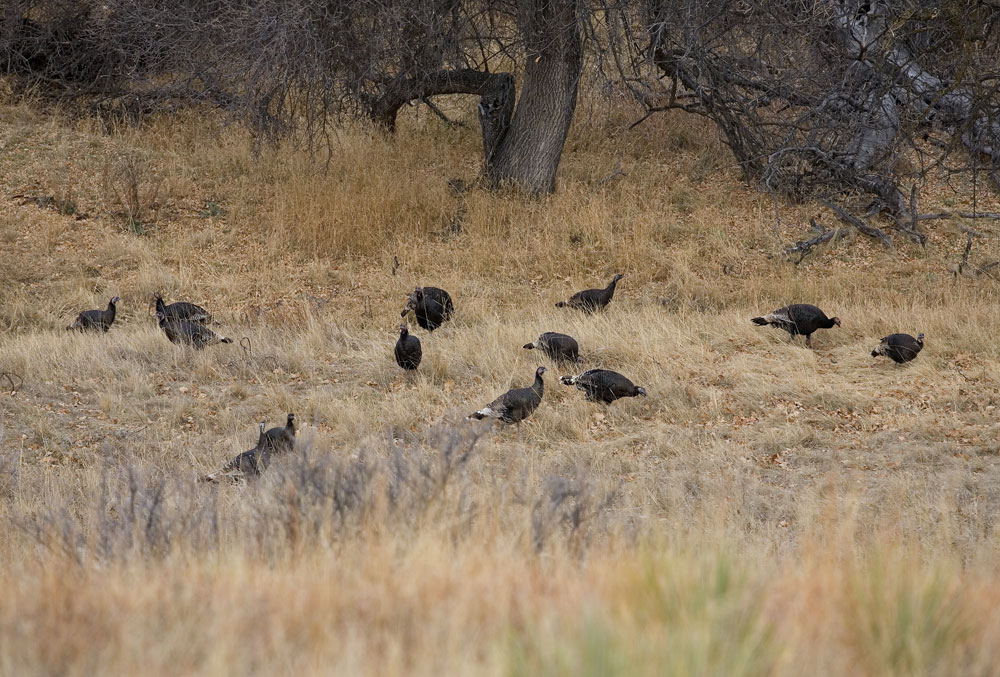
<point x="182" y="332"/>
<point x="515" y="405"/>
<point x="603" y="385"/>
<point x="250" y="464"/>
<point x="590" y="300"/>
<point x="282" y="440"/>
<point x="432" y="307"/>
<point x="559" y="347"/>
<point x="96" y="320"/>
<point x="407" y="351"/>
<point x="182" y="310"/>
<point x="798" y="318"/>
<point x="899" y="348"/>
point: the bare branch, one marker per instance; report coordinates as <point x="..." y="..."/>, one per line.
<point x="804" y="247"/>
<point x="614" y="174"/>
<point x="864" y="228"/>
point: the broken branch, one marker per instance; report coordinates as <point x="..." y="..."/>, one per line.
<point x="870" y="231"/>
<point x="803" y="247"/>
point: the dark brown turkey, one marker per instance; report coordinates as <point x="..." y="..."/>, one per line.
<point x="559" y="347"/>
<point x="899" y="348"/>
<point x="184" y="333"/>
<point x="603" y="385"/>
<point x="251" y="464"/>
<point x="590" y="300"/>
<point x="407" y="349"/>
<point x="282" y="440"/>
<point x="798" y="318"/>
<point x="182" y="310"/>
<point x="515" y="405"/>
<point x="96" y="320"/>
<point x="431" y="306"/>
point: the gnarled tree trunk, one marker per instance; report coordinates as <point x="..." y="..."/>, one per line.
<point x="527" y="153"/>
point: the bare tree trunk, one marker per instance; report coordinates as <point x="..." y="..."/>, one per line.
<point x="528" y="153"/>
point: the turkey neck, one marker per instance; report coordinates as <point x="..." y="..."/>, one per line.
<point x="109" y="314"/>
<point x="539" y="385"/>
<point x="609" y="290"/>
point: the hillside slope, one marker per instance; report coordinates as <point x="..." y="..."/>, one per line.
<point x="830" y="489"/>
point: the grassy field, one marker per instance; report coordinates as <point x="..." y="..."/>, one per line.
<point x="768" y="509"/>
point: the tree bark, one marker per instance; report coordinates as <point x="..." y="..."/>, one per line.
<point x="384" y="109"/>
<point x="528" y="153"/>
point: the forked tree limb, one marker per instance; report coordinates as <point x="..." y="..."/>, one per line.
<point x="870" y="231"/>
<point x="804" y="247"/>
<point x="963" y="267"/>
<point x="908" y="223"/>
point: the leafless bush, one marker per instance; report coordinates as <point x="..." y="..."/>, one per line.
<point x="313" y="496"/>
<point x="134" y="514"/>
<point x="279" y="66"/>
<point x="571" y="505"/>
<point x="824" y="98"/>
<point x="133" y="187"/>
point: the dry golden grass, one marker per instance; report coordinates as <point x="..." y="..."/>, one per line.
<point x="768" y="509"/>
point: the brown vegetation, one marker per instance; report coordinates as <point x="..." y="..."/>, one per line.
<point x="767" y="509"/>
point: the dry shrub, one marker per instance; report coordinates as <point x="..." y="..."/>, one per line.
<point x="132" y="188"/>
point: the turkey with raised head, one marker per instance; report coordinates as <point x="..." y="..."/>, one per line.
<point x="899" y="348"/>
<point x="407" y="350"/>
<point x="182" y="310"/>
<point x="282" y="440"/>
<point x="96" y="320"/>
<point x="798" y="318"/>
<point x="590" y="300"/>
<point x="431" y="306"/>
<point x="248" y="465"/>
<point x="603" y="385"/>
<point x="559" y="347"/>
<point x="184" y="333"/>
<point x="515" y="405"/>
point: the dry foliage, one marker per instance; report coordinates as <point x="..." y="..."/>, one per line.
<point x="768" y="509"/>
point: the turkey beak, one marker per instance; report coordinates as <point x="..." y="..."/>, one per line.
<point x="836" y="321"/>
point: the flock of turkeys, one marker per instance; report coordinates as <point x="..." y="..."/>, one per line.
<point x="186" y="323"/>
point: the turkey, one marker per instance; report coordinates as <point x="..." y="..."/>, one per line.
<point x="407" y="351"/>
<point x="591" y="300"/>
<point x="250" y="464"/>
<point x="515" y="405"/>
<point x="602" y="385"/>
<point x="798" y="318"/>
<point x="899" y="348"/>
<point x="96" y="320"/>
<point x="182" y="310"/>
<point x="559" y="347"/>
<point x="182" y="332"/>
<point x="432" y="307"/>
<point x="281" y="440"/>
